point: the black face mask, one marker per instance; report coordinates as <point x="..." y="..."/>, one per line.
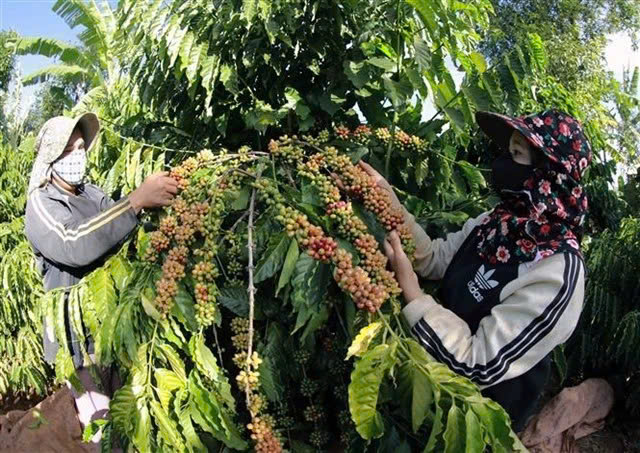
<point x="509" y="175"/>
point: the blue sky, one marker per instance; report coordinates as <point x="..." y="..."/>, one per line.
<point x="36" y="18"/>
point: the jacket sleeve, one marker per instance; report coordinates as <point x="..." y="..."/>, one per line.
<point x="432" y="256"/>
<point x="532" y="320"/>
<point x="59" y="237"/>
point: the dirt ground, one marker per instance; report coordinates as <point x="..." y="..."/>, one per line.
<point x="616" y="437"/>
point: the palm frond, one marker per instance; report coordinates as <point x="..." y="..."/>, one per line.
<point x="68" y="73"/>
<point x="50" y="47"/>
<point x="80" y="12"/>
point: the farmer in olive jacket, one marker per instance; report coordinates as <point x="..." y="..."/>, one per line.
<point x="512" y="278"/>
<point x="73" y="226"/>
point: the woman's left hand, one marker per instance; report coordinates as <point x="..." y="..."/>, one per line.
<point x="407" y="278"/>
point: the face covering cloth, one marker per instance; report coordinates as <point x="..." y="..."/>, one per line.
<point x="508" y="174"/>
<point x="71" y="168"/>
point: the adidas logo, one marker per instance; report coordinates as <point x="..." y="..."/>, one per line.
<point x="482" y="281"/>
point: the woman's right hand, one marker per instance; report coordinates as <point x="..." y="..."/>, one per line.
<point x="156" y="191"/>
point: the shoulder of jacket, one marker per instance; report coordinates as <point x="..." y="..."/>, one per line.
<point x="473" y="222"/>
<point x="45" y="200"/>
<point x="557" y="266"/>
<point x="92" y="189"/>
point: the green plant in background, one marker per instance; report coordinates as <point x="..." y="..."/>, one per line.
<point x="20" y="316"/>
<point x="606" y="340"/>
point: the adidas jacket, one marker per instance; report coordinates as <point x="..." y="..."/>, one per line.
<point x="497" y="324"/>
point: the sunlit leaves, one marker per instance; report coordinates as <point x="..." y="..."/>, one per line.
<point x="365" y="387"/>
<point x="361" y="342"/>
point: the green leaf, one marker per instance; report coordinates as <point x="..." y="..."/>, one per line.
<point x="310" y="281"/>
<point x="149" y="307"/>
<point x="249" y="10"/>
<point x="422" y="53"/>
<point x="240" y="199"/>
<point x="474" y="440"/>
<point x="495" y="421"/>
<point x="273" y="258"/>
<point x="269" y="383"/>
<point x="560" y="361"/>
<point x="142" y="435"/>
<point x="235" y="299"/>
<point x="477" y="96"/>
<point x="123" y="410"/>
<point x="418" y="392"/>
<point x="364" y="388"/>
<point x="385" y="63"/>
<point x="361" y="342"/>
<point x="184" y="309"/>
<point x="166" y="383"/>
<point x="311" y="195"/>
<point x="436" y="427"/>
<point x="120" y="271"/>
<point x="289" y="265"/>
<point x="472" y="175"/>
<point x="167" y="426"/>
<point x="536" y="47"/>
<point x="211" y="416"/>
<point x="421" y="170"/>
<point x="177" y="365"/>
<point x="92" y="428"/>
<point x="185" y="424"/>
<point x="371" y="221"/>
<point x="454" y="434"/>
<point x="207" y="364"/>
<point x="317" y="319"/>
<point x="478" y="61"/>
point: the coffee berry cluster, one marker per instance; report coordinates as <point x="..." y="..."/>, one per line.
<point x="364" y="135"/>
<point x="193" y="216"/>
<point x="262" y="425"/>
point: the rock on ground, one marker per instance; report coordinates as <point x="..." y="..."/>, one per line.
<point x="50" y="427"/>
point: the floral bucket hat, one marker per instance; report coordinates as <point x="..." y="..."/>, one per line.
<point x="53" y="138"/>
<point x="546" y="216"/>
<point x="558" y="135"/>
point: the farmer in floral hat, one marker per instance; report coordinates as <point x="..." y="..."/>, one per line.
<point x="513" y="278"/>
<point x="72" y="226"/>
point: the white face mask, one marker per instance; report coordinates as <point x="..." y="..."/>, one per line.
<point x="71" y="167"/>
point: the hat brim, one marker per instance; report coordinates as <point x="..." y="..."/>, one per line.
<point x="90" y="127"/>
<point x="499" y="129"/>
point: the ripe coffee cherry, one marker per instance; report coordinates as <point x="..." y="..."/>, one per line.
<point x="343" y="132"/>
<point x="159" y="241"/>
<point x="178" y="254"/>
<point x="168" y="225"/>
<point x="362" y="134"/>
<point x="172" y="269"/>
<point x="179" y="205"/>
<point x="263" y="435"/>
<point x="166" y="289"/>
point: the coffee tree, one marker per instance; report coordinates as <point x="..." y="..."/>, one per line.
<point x="260" y="305"/>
